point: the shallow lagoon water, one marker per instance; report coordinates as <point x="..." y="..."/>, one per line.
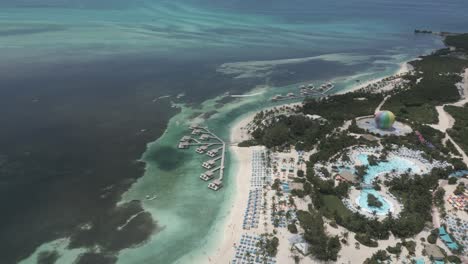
<point x="353" y="41"/>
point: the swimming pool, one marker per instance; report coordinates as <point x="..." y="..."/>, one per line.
<point x="398" y="164"/>
<point x="395" y="163"/>
<point x="362" y="201"/>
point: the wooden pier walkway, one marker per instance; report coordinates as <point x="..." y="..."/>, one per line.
<point x="188" y="141"/>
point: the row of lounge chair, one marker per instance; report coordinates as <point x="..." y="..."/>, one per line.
<point x="248" y="251"/>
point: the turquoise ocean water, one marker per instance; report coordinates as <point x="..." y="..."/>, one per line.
<point x="342" y="42"/>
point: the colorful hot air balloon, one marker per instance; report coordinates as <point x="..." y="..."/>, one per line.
<point x="384" y="119"/>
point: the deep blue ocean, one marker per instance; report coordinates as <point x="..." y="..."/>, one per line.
<point x="86" y="84"/>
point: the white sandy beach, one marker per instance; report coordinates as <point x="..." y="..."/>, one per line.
<point x="404" y="68"/>
<point x="233" y="226"/>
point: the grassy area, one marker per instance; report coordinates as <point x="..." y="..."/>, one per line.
<point x="332" y="204"/>
<point x="458" y="41"/>
<point x="459" y="132"/>
<point x="344" y="106"/>
<point x="432" y="85"/>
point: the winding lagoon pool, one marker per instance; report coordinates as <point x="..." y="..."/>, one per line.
<point x="397" y="164"/>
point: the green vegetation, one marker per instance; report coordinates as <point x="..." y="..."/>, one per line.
<point x="452" y="180"/>
<point x="460" y="189"/>
<point x="283" y="130"/>
<point x="432" y="238"/>
<point x="373" y="160"/>
<point x="395" y="250"/>
<point x="458" y="41"/>
<point x="378" y="257"/>
<point x="292" y="228"/>
<point x="300" y="173"/>
<point x="269" y="246"/>
<point x="333" y="206"/>
<point x="321" y="246"/>
<point x="411" y="141"/>
<point x="439" y="199"/>
<point x="373" y="201"/>
<point x="332" y="145"/>
<point x="459" y="132"/>
<point x="410" y="246"/>
<point x="361" y="171"/>
<point x="417" y="200"/>
<point x="433" y="84"/>
<point x="453" y="259"/>
<point x="366" y="240"/>
<point x="342" y="107"/>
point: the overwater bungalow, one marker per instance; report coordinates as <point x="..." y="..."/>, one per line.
<point x="205" y="137"/>
<point x="202" y="149"/>
<point x="207" y="176"/>
<point x="277" y="97"/>
<point x="183" y="145"/>
<point x="196" y="131"/>
<point x="209" y="164"/>
<point x="215" y="185"/>
<point x="214" y="152"/>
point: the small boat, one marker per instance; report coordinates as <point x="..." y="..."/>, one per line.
<point x="151" y="198"/>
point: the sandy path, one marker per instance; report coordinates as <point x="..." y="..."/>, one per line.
<point x="381" y="104"/>
<point x="446" y="121"/>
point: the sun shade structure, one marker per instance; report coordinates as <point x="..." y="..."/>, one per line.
<point x="384" y="119"/>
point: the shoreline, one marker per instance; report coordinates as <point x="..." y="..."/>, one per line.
<point x="232" y="228"/>
<point x="405" y="67"/>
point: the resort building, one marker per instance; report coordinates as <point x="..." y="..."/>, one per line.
<point x="205" y="137"/>
<point x="216" y="185"/>
<point x="296" y="186"/>
<point x="183" y="145"/>
<point x="346" y="176"/>
<point x="303" y="248"/>
<point x="434" y="252"/>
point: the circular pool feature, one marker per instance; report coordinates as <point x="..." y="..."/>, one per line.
<point x="395" y="164"/>
<point x="382" y="210"/>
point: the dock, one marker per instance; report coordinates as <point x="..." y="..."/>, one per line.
<point x="207" y="142"/>
<point x="305" y="91"/>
